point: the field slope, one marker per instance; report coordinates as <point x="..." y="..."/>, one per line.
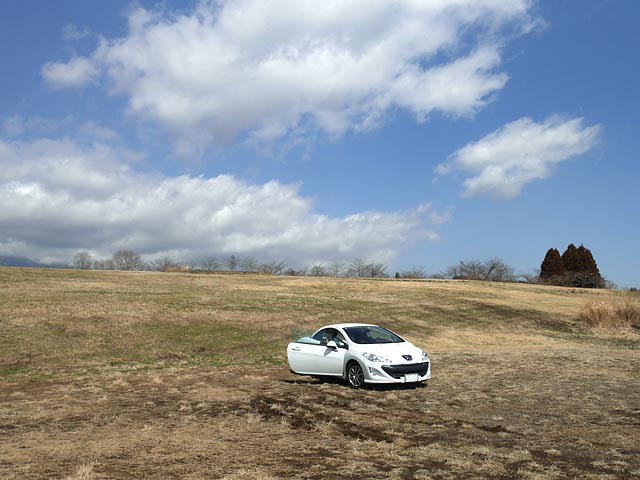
<point x="145" y="375"/>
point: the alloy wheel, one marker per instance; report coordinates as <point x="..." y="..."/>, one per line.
<point x="355" y="375"/>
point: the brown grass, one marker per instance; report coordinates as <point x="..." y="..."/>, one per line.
<point x="83" y="472"/>
<point x="148" y="375"/>
<point x="611" y="314"/>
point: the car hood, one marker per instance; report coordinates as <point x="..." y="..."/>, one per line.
<point x="393" y="351"/>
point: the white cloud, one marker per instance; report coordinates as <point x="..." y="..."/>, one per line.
<point x="94" y="130"/>
<point x="58" y="196"/>
<point x="13" y="126"/>
<point x="274" y="68"/>
<point x="75" y="73"/>
<point x="72" y="32"/>
<point x="18" y="126"/>
<point x="518" y="153"/>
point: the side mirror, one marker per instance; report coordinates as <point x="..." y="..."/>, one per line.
<point x="332" y="345"/>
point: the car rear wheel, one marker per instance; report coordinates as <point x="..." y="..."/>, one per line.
<point x="355" y="375"/>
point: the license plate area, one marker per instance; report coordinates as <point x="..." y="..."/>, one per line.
<point x="411" y="377"/>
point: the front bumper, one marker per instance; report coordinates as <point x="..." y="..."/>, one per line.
<point x="405" y="373"/>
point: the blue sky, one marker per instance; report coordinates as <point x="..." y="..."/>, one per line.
<point x="413" y="133"/>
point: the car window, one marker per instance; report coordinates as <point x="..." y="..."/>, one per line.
<point x="320" y="335"/>
<point x="309" y="340"/>
<point x="372" y="334"/>
<point x="327" y="334"/>
<point x="340" y="340"/>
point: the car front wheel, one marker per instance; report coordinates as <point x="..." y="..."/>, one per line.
<point x="355" y="375"/>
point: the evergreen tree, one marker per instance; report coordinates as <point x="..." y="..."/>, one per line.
<point x="571" y="259"/>
<point x="587" y="262"/>
<point x="581" y="269"/>
<point x="575" y="268"/>
<point x="552" y="265"/>
<point x="589" y="274"/>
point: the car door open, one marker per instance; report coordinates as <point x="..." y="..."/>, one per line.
<point x="311" y="359"/>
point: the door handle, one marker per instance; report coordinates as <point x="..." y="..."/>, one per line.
<point x="295" y="349"/>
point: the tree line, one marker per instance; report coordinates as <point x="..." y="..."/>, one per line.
<point x="492" y="270"/>
<point x="576" y="267"/>
<point x="129" y="260"/>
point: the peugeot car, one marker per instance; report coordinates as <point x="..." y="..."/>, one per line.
<point x="359" y="353"/>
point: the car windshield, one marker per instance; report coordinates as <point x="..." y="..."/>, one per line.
<point x="372" y="334"/>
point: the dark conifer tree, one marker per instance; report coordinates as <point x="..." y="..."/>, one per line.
<point x="571" y="259"/>
<point x="586" y="261"/>
<point x="575" y="268"/>
<point x="552" y="265"/>
<point x="589" y="273"/>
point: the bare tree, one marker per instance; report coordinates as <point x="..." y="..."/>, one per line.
<point x="335" y="269"/>
<point x="377" y="270"/>
<point x="127" y="260"/>
<point x="496" y="270"/>
<point x="82" y="260"/>
<point x="318" y="270"/>
<point x="584" y="280"/>
<point x="472" y="270"/>
<point x="191" y="264"/>
<point x="248" y="264"/>
<point x="452" y="271"/>
<point x="164" y="264"/>
<point x="274" y="268"/>
<point x="414" y="272"/>
<point x="493" y="270"/>
<point x="209" y="263"/>
<point x="530" y="277"/>
<point x="103" y="264"/>
<point x="357" y="268"/>
<point x="231" y="263"/>
<point x="291" y="272"/>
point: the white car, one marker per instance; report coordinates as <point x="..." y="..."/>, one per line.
<point x="360" y="353"/>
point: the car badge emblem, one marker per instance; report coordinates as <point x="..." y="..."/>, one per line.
<point x="407" y="357"/>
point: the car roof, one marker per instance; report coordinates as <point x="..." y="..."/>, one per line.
<point x="343" y="325"/>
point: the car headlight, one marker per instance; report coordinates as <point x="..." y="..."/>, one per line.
<point x="372" y="357"/>
<point x="425" y="357"/>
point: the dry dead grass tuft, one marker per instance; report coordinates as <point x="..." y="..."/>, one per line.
<point x="253" y="418"/>
<point x="325" y="428"/>
<point x="611" y="314"/>
<point x="84" y="472"/>
<point x="246" y="474"/>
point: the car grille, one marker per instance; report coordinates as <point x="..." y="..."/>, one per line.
<point x="398" y="371"/>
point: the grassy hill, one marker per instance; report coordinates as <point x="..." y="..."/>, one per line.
<point x="151" y="375"/>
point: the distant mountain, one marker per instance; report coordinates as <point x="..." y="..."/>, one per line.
<point x="11" y="261"/>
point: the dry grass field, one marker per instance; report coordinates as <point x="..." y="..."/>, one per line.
<point x="110" y="375"/>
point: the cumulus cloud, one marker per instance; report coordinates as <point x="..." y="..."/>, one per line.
<point x="268" y="69"/>
<point x="58" y="196"/>
<point x="75" y="73"/>
<point x="518" y="153"/>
